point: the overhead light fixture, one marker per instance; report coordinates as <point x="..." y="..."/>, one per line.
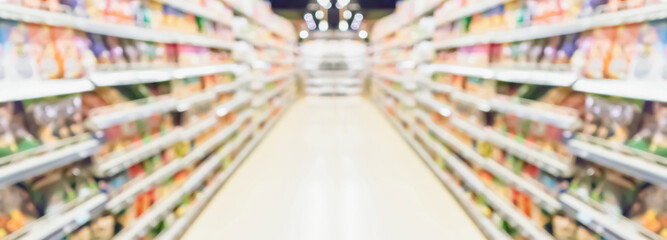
<point x="355" y="26"/>
<point x="363" y="34"/>
<point x="319" y="14"/>
<point x="358" y="16"/>
<point x="328" y="5"/>
<point x="303" y="34"/>
<point x="324" y="26"/>
<point x="308" y="17"/>
<point x="324" y="3"/>
<point x="342" y="3"/>
<point x="312" y="26"/>
<point x="343" y="26"/>
<point x="347" y="14"/>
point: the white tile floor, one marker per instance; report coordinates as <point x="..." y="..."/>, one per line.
<point x="333" y="168"/>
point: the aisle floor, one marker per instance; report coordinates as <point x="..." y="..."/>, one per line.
<point x="333" y="168"/>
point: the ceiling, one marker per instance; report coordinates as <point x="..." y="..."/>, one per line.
<point x="301" y="4"/>
<point x="294" y="9"/>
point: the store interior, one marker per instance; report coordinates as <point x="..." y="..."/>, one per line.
<point x="333" y="119"/>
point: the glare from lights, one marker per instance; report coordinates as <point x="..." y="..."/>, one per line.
<point x="358" y="16"/>
<point x="363" y="34"/>
<point x="324" y="3"/>
<point x="312" y="26"/>
<point x="308" y="17"/>
<point x="343" y="3"/>
<point x="328" y="5"/>
<point x="347" y="14"/>
<point x="303" y="34"/>
<point x="339" y="6"/>
<point x="343" y="26"/>
<point x="324" y="25"/>
<point x="319" y="14"/>
<point x="355" y="26"/>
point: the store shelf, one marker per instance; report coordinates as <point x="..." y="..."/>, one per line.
<point x="489" y="229"/>
<point x="264" y="98"/>
<point x="549" y="164"/>
<point x="118" y="163"/>
<point x="231" y="105"/>
<point x="198" y="127"/>
<point x="25" y="89"/>
<point x="179" y="227"/>
<point x="608" y="226"/>
<point x="471" y="9"/>
<point x="209" y="145"/>
<point x="644" y="90"/>
<point x="502" y="207"/>
<point x="278" y="76"/>
<point x="196" y="9"/>
<point x="457" y="95"/>
<point x="540" y="197"/>
<point x="646" y="13"/>
<point x="35" y="166"/>
<point x="633" y="166"/>
<point x="472" y="130"/>
<point x="405" y="21"/>
<point x="130" y="77"/>
<point x="480" y="72"/>
<point x="436" y="106"/>
<point x="157" y="105"/>
<point x="523" y="109"/>
<point x="186" y="72"/>
<point x="539" y="77"/>
<point x="391" y="77"/>
<point x="59" y="226"/>
<point x="230" y="86"/>
<point x="195" y="100"/>
<point x="334" y="81"/>
<point x="19" y="13"/>
<point x="118" y="203"/>
<point x="163" y="208"/>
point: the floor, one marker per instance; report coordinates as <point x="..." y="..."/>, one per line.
<point x="333" y="168"/>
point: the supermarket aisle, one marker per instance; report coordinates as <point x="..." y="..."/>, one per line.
<point x="333" y="168"/>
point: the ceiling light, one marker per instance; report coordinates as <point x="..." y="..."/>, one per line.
<point x="324" y="3"/>
<point x="312" y="26"/>
<point x="343" y="3"/>
<point x="355" y="26"/>
<point x="303" y="34"/>
<point x="347" y="14"/>
<point x="308" y="17"/>
<point x="358" y="16"/>
<point x="319" y="14"/>
<point x="324" y="25"/>
<point x="363" y="34"/>
<point x="328" y="5"/>
<point x="343" y="26"/>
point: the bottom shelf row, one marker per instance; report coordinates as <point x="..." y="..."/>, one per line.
<point x="496" y="216"/>
<point x="168" y="207"/>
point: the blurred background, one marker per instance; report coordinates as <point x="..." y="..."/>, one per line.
<point x="333" y="119"/>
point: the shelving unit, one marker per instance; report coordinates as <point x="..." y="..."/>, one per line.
<point x="190" y="129"/>
<point x="485" y="224"/>
<point x="532" y="145"/>
<point x="24" y="14"/>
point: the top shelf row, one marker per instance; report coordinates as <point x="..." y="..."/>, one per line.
<point x="636" y="15"/>
<point x="20" y="13"/>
